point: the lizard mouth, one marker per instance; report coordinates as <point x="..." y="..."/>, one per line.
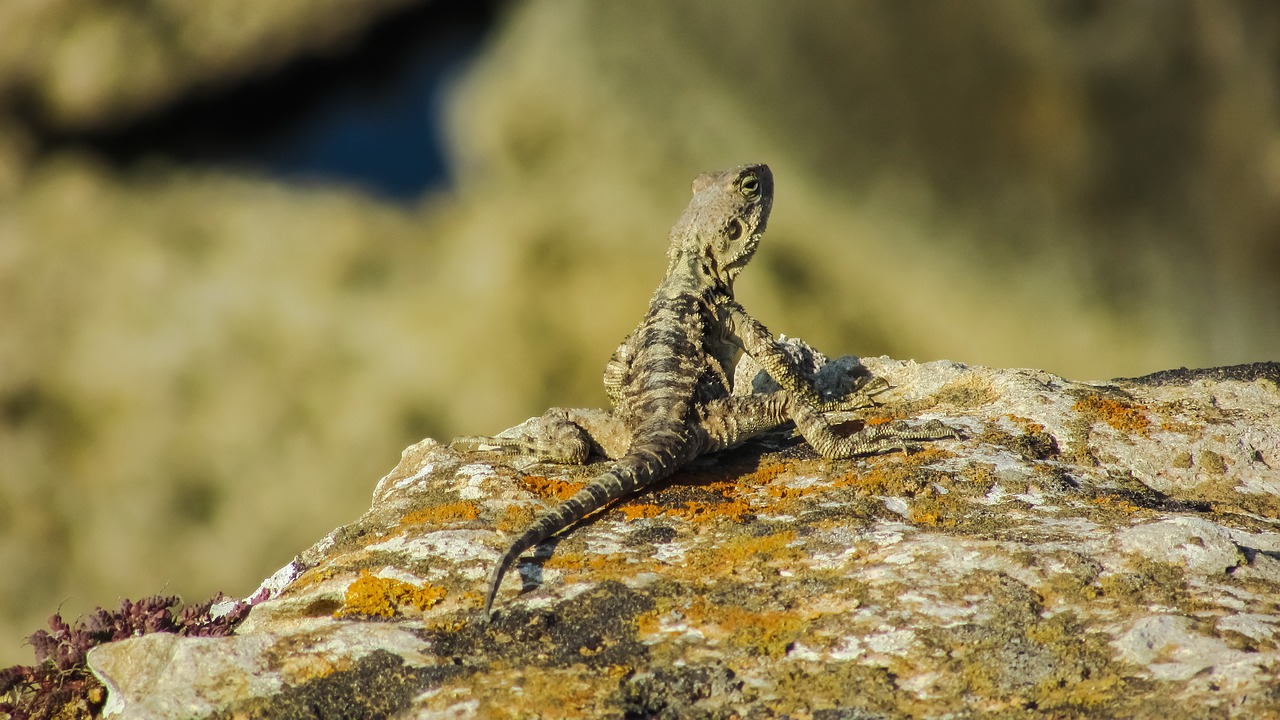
<point x="730" y="269"/>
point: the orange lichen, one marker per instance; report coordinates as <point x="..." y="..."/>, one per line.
<point x="552" y="487"/>
<point x="373" y="596"/>
<point x="638" y="511"/>
<point x="439" y="514"/>
<point x="1123" y="416"/>
<point x="766" y="474"/>
<point x="735" y="510"/>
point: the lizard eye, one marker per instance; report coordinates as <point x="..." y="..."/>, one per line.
<point x="734" y="230"/>
<point x="749" y="186"/>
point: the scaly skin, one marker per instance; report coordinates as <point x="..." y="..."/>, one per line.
<point x="670" y="379"/>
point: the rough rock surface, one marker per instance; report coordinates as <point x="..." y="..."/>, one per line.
<point x="1101" y="549"/>
<point x="1098" y="183"/>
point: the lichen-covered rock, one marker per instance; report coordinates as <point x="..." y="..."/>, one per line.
<point x="1086" y="549"/>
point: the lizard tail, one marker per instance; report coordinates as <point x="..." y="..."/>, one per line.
<point x="640" y="467"/>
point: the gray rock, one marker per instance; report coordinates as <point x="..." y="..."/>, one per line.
<point x="1062" y="559"/>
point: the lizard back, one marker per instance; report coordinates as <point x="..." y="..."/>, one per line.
<point x="678" y="358"/>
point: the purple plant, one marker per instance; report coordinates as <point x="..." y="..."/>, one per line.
<point x="60" y="685"/>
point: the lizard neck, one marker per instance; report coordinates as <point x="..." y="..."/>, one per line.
<point x="689" y="275"/>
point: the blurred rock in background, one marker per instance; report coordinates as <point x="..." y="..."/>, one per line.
<point x="249" y="251"/>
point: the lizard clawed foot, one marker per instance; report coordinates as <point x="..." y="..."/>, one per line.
<point x="882" y="438"/>
<point x="863" y="396"/>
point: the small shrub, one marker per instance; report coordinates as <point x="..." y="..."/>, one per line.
<point x="60" y="684"/>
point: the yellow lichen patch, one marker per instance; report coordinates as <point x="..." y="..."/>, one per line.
<point x="440" y="514"/>
<point x="1028" y="425"/>
<point x="691" y="510"/>
<point x="374" y="596"/>
<point x="1086" y="692"/>
<point x="301" y="667"/>
<point x="1123" y="416"/>
<point x="767" y="632"/>
<point x="550" y="487"/>
<point x="741" y="552"/>
<point x="310" y="578"/>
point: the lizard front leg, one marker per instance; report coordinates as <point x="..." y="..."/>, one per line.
<point x="803" y="405"/>
<point x="561" y="435"/>
<point x="756" y="340"/>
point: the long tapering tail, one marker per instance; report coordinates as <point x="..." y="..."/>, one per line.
<point x="638" y="468"/>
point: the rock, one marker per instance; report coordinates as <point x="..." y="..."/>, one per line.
<point x="1061" y="559"/>
<point x="1202" y="546"/>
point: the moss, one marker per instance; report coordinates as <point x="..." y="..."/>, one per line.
<point x="676" y="692"/>
<point x="373" y="596"/>
<point x="1034" y="443"/>
<point x="378" y="685"/>
<point x="310" y="578"/>
<point x="935" y="512"/>
<point x="1212" y="462"/>
<point x="1151" y="583"/>
<point x="970" y="391"/>
<point x="895" y="475"/>
<point x="597" y="628"/>
<point x="514" y="518"/>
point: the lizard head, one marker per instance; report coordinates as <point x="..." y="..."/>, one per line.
<point x="721" y="229"/>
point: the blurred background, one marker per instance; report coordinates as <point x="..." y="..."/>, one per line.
<point x="249" y="251"/>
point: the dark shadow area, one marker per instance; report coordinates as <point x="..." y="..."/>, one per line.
<point x="369" y="115"/>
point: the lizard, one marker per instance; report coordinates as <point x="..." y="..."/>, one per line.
<point x="669" y="381"/>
